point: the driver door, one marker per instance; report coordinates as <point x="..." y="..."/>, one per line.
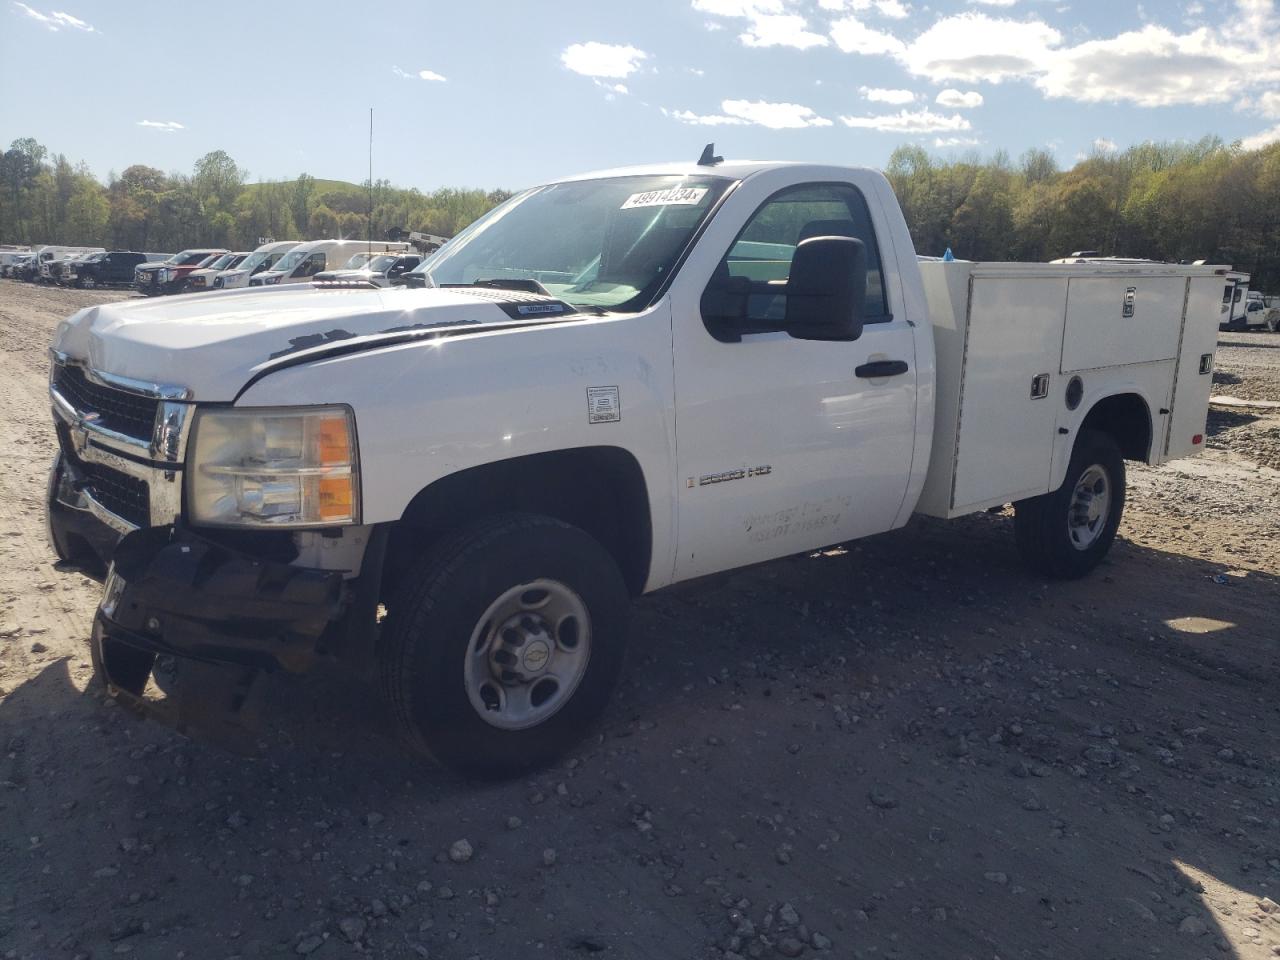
<point x="785" y="444"/>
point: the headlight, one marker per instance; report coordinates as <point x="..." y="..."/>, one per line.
<point x="275" y="278"/>
<point x="292" y="467"/>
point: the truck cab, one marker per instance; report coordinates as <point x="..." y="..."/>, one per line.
<point x="607" y="385"/>
<point x="202" y="278"/>
<point x="170" y="276"/>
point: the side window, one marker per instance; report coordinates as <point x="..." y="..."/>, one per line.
<point x="763" y="250"/>
<point x="311" y="266"/>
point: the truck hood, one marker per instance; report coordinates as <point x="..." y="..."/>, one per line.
<point x="213" y="345"/>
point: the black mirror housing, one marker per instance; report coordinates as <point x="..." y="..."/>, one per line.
<point x="827" y="289"/>
<point x="724" y="307"/>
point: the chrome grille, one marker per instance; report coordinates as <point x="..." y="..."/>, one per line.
<point x="128" y="497"/>
<point x="126" y="413"/>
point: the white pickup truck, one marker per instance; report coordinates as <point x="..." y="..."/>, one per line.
<point x="608" y="384"/>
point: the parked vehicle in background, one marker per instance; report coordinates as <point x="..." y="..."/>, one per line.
<point x="104" y="269"/>
<point x="381" y="270"/>
<point x="10" y="257"/>
<point x="169" y="276"/>
<point x="263" y="258"/>
<point x="307" y="259"/>
<point x="202" y="279"/>
<point x="46" y="255"/>
<point x="1234" y="302"/>
<point x="65" y="271"/>
<point x="24" y="270"/>
<point x="610" y="384"/>
<point x="12" y="262"/>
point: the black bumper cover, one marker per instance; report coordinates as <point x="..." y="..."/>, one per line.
<point x="194" y="598"/>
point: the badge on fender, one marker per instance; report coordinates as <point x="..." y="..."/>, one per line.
<point x="603" y="405"/>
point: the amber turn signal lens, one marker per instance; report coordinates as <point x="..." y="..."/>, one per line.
<point x="334" y="441"/>
<point x="336" y="498"/>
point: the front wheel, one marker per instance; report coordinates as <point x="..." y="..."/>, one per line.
<point x="504" y="643"/>
<point x="1066" y="533"/>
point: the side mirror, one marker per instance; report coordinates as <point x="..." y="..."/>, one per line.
<point x="827" y="289"/>
<point x="724" y="307"/>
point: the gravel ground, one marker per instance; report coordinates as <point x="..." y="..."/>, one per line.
<point x="1248" y="368"/>
<point x="910" y="749"/>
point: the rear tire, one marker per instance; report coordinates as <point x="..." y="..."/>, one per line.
<point x="1066" y="533"/>
<point x="504" y="643"/>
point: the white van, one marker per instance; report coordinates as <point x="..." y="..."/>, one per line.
<point x="307" y="259"/>
<point x="262" y="259"/>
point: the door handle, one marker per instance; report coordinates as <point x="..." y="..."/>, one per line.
<point x="880" y="368"/>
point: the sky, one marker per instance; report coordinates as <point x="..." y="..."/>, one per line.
<point x="508" y="94"/>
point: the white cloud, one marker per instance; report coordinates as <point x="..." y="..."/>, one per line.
<point x="760" y="113"/>
<point x="1151" y="66"/>
<point x="1267" y="104"/>
<point x="594" y="59"/>
<point x="165" y="126"/>
<point x="1263" y="139"/>
<point x="420" y="75"/>
<point x="923" y="120"/>
<point x="853" y="36"/>
<point x="884" y="95"/>
<point x="994" y="3"/>
<point x="973" y="47"/>
<point x="956" y="141"/>
<point x="959" y="100"/>
<point x="1104" y="145"/>
<point x="737" y="8"/>
<point x="702" y="119"/>
<point x="770" y="23"/>
<point x="781" y="30"/>
<point x="55" y="20"/>
<point x="1155" y="67"/>
<point x="775" y="116"/>
<point x="893" y="9"/>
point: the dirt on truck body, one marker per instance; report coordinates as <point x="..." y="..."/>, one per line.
<point x="909" y="747"/>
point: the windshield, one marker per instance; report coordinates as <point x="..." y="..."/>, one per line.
<point x="222" y="262"/>
<point x="290" y="260"/>
<point x="605" y="243"/>
<point x="381" y="264"/>
<point x="260" y="256"/>
<point x="358" y="261"/>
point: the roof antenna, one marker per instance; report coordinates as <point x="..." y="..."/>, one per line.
<point x="709" y="158"/>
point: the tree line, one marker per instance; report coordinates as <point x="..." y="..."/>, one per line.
<point x="1165" y="201"/>
<point x="1207" y="200"/>
<point x="44" y="198"/>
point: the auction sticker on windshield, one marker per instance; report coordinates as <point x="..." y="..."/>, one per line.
<point x="688" y="196"/>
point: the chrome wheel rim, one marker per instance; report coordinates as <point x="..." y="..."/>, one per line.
<point x="527" y="655"/>
<point x="1090" y="507"/>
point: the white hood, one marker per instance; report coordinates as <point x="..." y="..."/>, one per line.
<point x="213" y="344"/>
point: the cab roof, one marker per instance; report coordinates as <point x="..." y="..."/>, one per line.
<point x="729" y="169"/>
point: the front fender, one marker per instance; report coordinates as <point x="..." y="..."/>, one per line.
<point x="429" y="409"/>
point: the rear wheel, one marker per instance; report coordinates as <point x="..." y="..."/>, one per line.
<point x="503" y="644"/>
<point x="1066" y="533"/>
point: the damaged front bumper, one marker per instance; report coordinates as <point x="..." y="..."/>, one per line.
<point x="226" y="616"/>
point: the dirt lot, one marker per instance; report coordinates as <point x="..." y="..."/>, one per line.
<point x="910" y="749"/>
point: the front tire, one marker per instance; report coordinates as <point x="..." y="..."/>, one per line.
<point x="504" y="643"/>
<point x="1066" y="533"/>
